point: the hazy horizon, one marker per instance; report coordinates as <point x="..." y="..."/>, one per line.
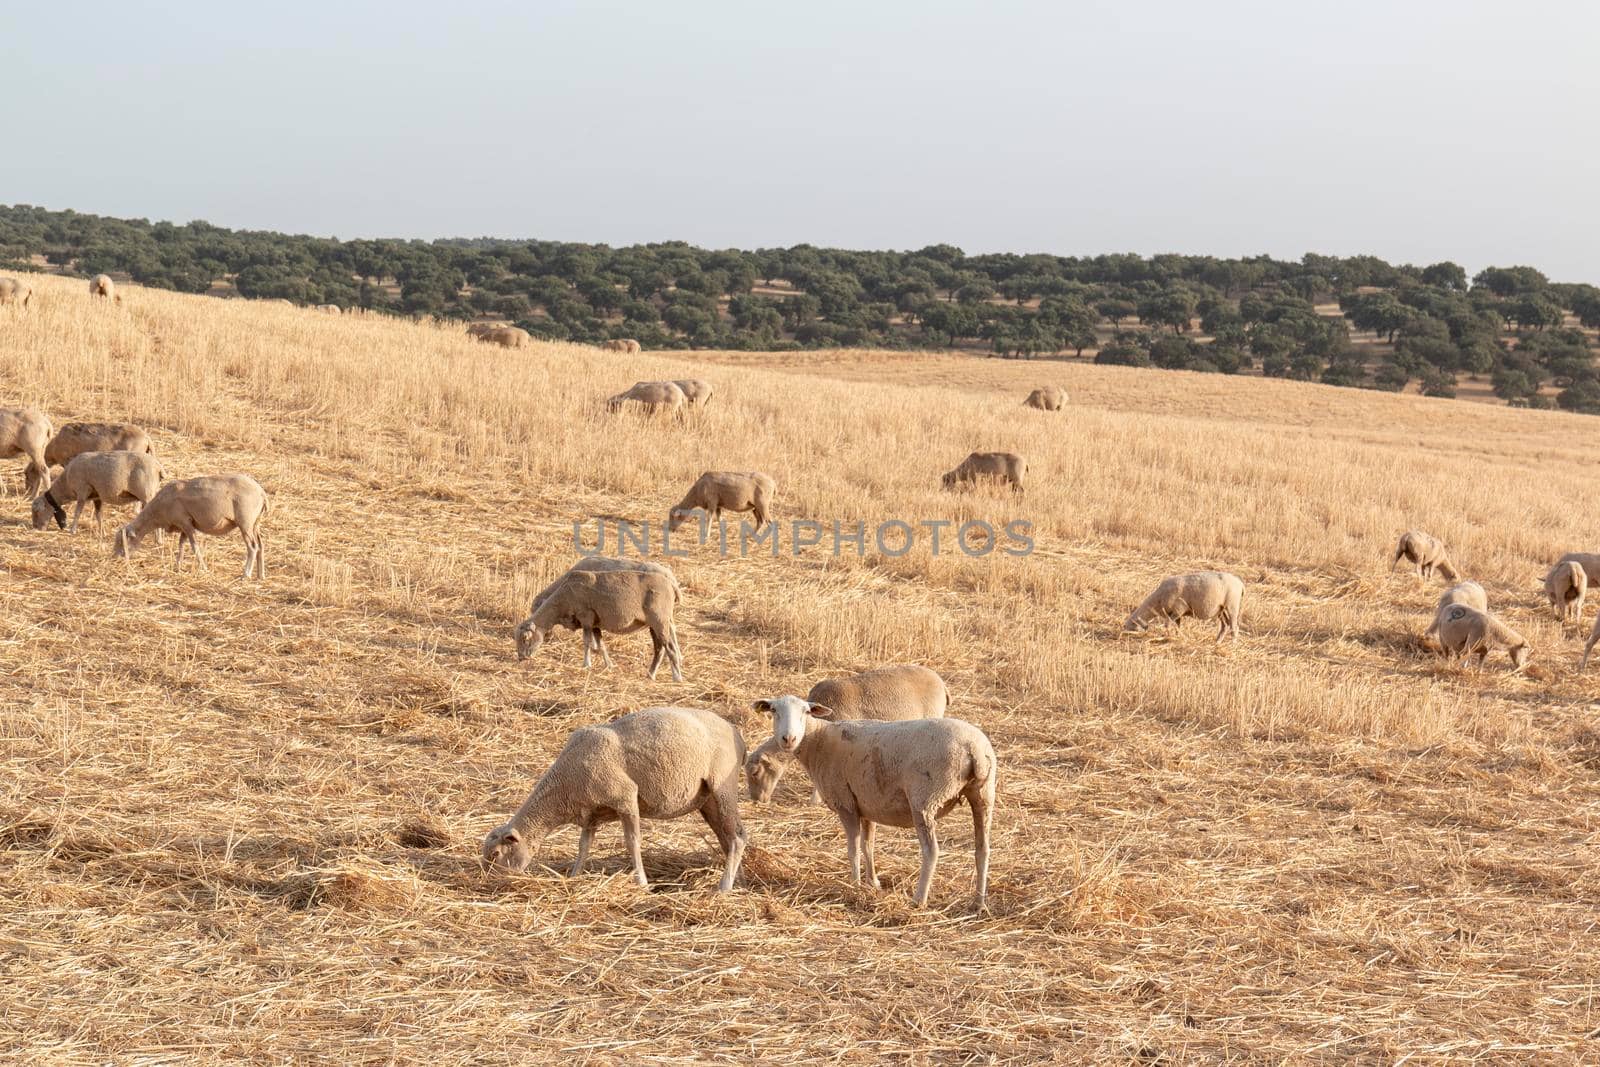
<point x="1430" y="132"/>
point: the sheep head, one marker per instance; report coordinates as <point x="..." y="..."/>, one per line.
<point x="763" y="768"/>
<point x="789" y="717"/>
<point x="529" y="637"/>
<point x="44" y="509"/>
<point x="127" y="541"/>
<point x="506" y="847"/>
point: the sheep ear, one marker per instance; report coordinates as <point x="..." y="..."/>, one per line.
<point x="762" y="705"/>
<point x="511" y="837"/>
<point x="822" y="711"/>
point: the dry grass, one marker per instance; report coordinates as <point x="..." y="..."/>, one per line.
<point x="239" y="821"/>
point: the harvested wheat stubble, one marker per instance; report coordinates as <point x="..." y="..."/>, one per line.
<point x="241" y="821"/>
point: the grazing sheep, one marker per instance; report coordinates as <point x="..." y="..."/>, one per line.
<point x="1046" y="398"/>
<point x="886" y="694"/>
<point x="695" y="391"/>
<point x="1001" y="466"/>
<point x="213" y="504"/>
<point x="76" y="438"/>
<point x="896" y="773"/>
<point x="1466" y="631"/>
<point x="659" y="763"/>
<point x="616" y="344"/>
<point x="1565" y="586"/>
<point x="719" y="491"/>
<point x="478" y="329"/>
<point x="634" y="347"/>
<point x="604" y="563"/>
<point x="1469" y="593"/>
<point x="1589" y="561"/>
<point x="15" y="292"/>
<point x="1204" y="595"/>
<point x="330" y="309"/>
<point x="654" y="397"/>
<point x="617" y="602"/>
<point x="102" y="285"/>
<point x="507" y="337"/>
<point x="1427" y="552"/>
<point x="25" y="432"/>
<point x="118" y="477"/>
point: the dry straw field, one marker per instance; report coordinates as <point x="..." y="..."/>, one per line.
<point x="239" y="821"/>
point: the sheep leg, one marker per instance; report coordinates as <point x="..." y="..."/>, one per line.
<point x="600" y="643"/>
<point x="721" y="813"/>
<point x="852" y="840"/>
<point x="630" y="838"/>
<point x="77" y="513"/>
<point x="869" y="831"/>
<point x="194" y="546"/>
<point x="585" y="836"/>
<point x="586" y="640"/>
<point x="1222" y="625"/>
<point x="261" y="556"/>
<point x="929" y="841"/>
<point x="177" y="562"/>
<point x="674" y="654"/>
<point x="658" y="646"/>
<point x="981" y="811"/>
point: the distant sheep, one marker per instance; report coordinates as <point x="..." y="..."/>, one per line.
<point x="1046" y="398"/>
<point x="330" y="309"/>
<point x="115" y="477"/>
<point x="1427" y="553"/>
<point x="599" y="602"/>
<point x="621" y="344"/>
<point x="1469" y="593"/>
<point x="1001" y="466"/>
<point x="1565" y="587"/>
<point x="507" y="337"/>
<point x="102" y="285"/>
<point x="1203" y="595"/>
<point x="76" y="438"/>
<point x="1466" y="631"/>
<point x="15" y="292"/>
<point x="887" y="694"/>
<point x="659" y="763"/>
<point x="478" y="329"/>
<point x="26" y="432"/>
<point x="717" y="491"/>
<point x="897" y="773"/>
<point x="213" y="504"/>
<point x="654" y="397"/>
<point x="695" y="391"/>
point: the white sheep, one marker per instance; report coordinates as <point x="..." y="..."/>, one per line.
<point x="102" y="285"/>
<point x="1046" y="398"/>
<point x="119" y="477"/>
<point x="507" y="337"/>
<point x="15" y="292"/>
<point x="1203" y="595"/>
<point x="330" y="309"/>
<point x="478" y="329"/>
<point x="907" y="774"/>
<point x="1467" y="631"/>
<point x="26" y="432"/>
<point x="604" y="563"/>
<point x="617" y="602"/>
<point x="654" y="397"/>
<point x="659" y="763"/>
<point x="979" y="466"/>
<point x="1427" y="553"/>
<point x="76" y="438"/>
<point x="1565" y="587"/>
<point x="1469" y="593"/>
<point x="717" y="491"/>
<point x="1589" y="561"/>
<point x="213" y="504"/>
<point x="696" y="392"/>
<point x="887" y="694"/>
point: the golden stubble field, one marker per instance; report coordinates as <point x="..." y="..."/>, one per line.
<point x="240" y="821"/>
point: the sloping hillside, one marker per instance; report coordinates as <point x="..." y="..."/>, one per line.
<point x="240" y="820"/>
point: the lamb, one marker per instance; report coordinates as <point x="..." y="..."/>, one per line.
<point x="1204" y="595"/>
<point x="617" y="602"/>
<point x="1427" y="552"/>
<point x="658" y="763"/>
<point x="719" y="491"/>
<point x="102" y="285"/>
<point x="212" y="504"/>
<point x="1565" y="586"/>
<point x="1466" y="631"/>
<point x="15" y="292"/>
<point x="76" y="438"/>
<point x="1046" y="398"/>
<point x="506" y="337"/>
<point x="695" y="391"/>
<point x="1589" y="561"/>
<point x="1001" y="466"/>
<point x="654" y="397"/>
<point x="1469" y="593"/>
<point x="25" y="432"/>
<point x="604" y="563"/>
<point x="887" y="694"/>
<point x="897" y="773"/>
<point x="119" y="477"/>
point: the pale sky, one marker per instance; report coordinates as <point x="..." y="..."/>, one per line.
<point x="1416" y="131"/>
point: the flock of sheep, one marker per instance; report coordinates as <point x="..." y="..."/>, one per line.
<point x="877" y="746"/>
